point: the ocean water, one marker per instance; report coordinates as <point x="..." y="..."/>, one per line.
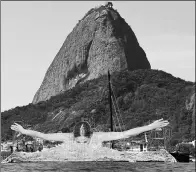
<point x="98" y="167"/>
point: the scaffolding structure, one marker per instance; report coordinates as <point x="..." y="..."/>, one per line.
<point x="159" y="138"/>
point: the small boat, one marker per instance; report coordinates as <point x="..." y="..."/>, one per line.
<point x="180" y="156"/>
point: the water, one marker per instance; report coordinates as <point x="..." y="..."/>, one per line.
<point x="98" y="167"/>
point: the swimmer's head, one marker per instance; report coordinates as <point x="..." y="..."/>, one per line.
<point x="82" y="129"/>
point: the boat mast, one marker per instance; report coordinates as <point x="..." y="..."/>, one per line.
<point x="110" y="92"/>
<point x="110" y="103"/>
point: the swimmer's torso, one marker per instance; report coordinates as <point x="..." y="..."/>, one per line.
<point x="92" y="142"/>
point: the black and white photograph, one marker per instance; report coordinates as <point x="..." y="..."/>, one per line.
<point x="101" y="86"/>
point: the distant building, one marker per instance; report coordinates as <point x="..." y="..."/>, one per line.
<point x="39" y="141"/>
<point x="6" y="146"/>
<point x="137" y="146"/>
<point x="193" y="143"/>
<point x="108" y="4"/>
<point x="28" y="142"/>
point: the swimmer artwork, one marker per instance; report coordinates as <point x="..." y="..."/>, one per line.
<point x="82" y="144"/>
<point x="85" y="145"/>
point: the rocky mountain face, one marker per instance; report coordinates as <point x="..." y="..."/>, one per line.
<point x="101" y="41"/>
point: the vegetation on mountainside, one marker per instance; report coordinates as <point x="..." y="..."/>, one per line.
<point x="142" y="96"/>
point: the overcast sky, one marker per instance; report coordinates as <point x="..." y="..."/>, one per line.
<point x="32" y="33"/>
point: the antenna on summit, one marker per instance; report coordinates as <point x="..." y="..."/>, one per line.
<point x="108" y="4"/>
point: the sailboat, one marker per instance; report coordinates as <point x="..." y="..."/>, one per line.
<point x="142" y="147"/>
<point x="110" y="103"/>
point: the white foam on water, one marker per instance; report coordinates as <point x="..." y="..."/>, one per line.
<point x="74" y="152"/>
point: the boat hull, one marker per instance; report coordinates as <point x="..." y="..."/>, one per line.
<point x="181" y="157"/>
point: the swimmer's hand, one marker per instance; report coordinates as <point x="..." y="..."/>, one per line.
<point x="158" y="124"/>
<point x="18" y="128"/>
<point x="64" y="137"/>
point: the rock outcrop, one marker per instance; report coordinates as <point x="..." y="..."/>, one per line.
<point x="190" y="106"/>
<point x="101" y="41"/>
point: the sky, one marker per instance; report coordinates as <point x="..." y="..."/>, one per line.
<point x="32" y="33"/>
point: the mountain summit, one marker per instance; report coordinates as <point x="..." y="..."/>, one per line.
<point x="101" y="41"/>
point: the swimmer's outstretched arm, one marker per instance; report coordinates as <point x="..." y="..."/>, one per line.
<point x="107" y="136"/>
<point x="53" y="136"/>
